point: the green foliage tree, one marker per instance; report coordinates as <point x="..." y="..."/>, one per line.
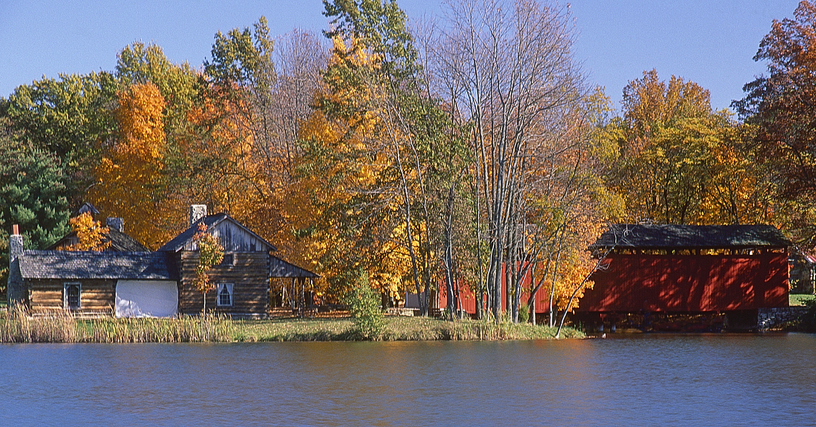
<point x="33" y="195"/>
<point x="242" y="59"/>
<point x="140" y="64"/>
<point x="66" y="117"/>
<point x="364" y="306"/>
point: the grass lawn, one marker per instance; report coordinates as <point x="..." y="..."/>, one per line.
<point x="800" y="299"/>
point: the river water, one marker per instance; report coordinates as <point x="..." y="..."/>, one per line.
<point x="635" y="380"/>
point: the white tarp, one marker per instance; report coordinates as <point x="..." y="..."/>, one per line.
<point x="146" y="298"/>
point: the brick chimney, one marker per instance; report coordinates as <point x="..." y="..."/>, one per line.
<point x="197" y="212"/>
<point x="116" y="223"/>
<point x="15" y="290"/>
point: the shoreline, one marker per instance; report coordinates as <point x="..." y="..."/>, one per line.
<point x="60" y="327"/>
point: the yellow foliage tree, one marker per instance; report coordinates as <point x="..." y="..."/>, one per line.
<point x="90" y="234"/>
<point x="339" y="218"/>
<point x="210" y="253"/>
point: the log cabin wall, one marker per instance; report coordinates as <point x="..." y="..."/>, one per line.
<point x="96" y="295"/>
<point x="248" y="273"/>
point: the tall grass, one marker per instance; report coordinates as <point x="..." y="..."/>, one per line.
<point x="18" y="326"/>
<point x="422" y="329"/>
<point x="62" y="327"/>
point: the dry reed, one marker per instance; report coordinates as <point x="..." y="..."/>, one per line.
<point x="60" y="326"/>
<point x="19" y="326"/>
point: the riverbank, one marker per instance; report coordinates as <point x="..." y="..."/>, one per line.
<point x="62" y="328"/>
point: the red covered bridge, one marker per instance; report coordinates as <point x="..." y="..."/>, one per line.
<point x="689" y="269"/>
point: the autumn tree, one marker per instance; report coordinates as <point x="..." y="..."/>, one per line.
<point x="129" y="176"/>
<point x="348" y="218"/>
<point x="91" y="235"/>
<point x="680" y="162"/>
<point x="666" y="138"/>
<point x="569" y="207"/>
<point x="225" y="162"/>
<point x="415" y="153"/>
<point x="179" y="85"/>
<point x="300" y="59"/>
<point x="779" y="107"/>
<point x="508" y="68"/>
<point x="743" y="189"/>
<point x="210" y="253"/>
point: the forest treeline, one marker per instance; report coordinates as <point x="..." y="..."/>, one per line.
<point x="413" y="157"/>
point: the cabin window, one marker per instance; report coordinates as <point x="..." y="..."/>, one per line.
<point x="71" y="300"/>
<point x="224" y="298"/>
<point x="228" y="260"/>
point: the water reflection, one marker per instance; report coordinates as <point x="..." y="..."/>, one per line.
<point x="647" y="379"/>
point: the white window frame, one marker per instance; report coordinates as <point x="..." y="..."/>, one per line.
<point x="229" y="288"/>
<point x="65" y="287"/>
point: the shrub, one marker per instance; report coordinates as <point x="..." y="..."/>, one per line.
<point x="364" y="306"/>
<point x="524" y="314"/>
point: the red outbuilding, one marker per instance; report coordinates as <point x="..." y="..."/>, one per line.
<point x="689" y="269"/>
<point x="466" y="299"/>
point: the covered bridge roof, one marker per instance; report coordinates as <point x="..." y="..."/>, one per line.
<point x="96" y="265"/>
<point x="669" y="236"/>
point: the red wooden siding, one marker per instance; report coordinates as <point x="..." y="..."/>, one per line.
<point x="469" y="298"/>
<point x="689" y="283"/>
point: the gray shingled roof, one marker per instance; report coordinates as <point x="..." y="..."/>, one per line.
<point x="96" y="265"/>
<point x="125" y="243"/>
<point x="283" y="269"/>
<point x="210" y="221"/>
<point x="668" y="236"/>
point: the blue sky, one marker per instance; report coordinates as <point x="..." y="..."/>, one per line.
<point x="711" y="42"/>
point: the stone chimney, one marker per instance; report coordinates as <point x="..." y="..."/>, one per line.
<point x="15" y="290"/>
<point x="197" y="212"/>
<point x="117" y="224"/>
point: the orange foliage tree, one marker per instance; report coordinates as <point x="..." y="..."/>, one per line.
<point x="129" y="178"/>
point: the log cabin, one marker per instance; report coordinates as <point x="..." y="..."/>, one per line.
<point x="141" y="283"/>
